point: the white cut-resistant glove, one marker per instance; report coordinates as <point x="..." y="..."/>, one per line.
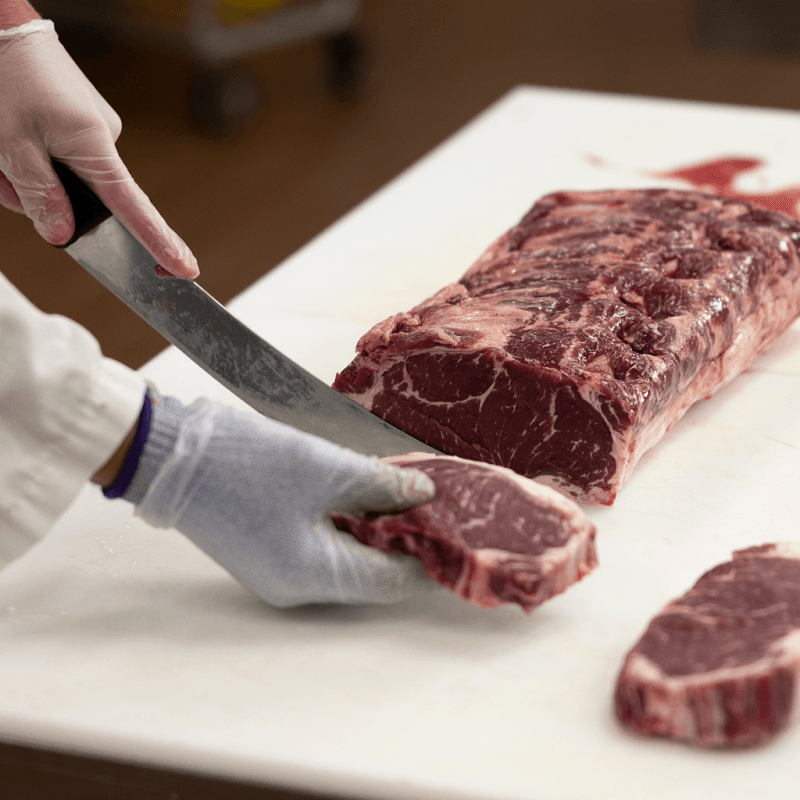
<point x="50" y="110"/>
<point x="256" y="495"/>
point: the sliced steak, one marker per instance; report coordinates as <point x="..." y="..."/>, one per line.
<point x="720" y="665"/>
<point x="581" y="335"/>
<point x="489" y="535"/>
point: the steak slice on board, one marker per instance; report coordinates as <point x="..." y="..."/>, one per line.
<point x="585" y="332"/>
<point x="489" y="535"/>
<point x="720" y="665"/>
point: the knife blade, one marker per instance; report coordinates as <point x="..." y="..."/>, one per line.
<point x="204" y="330"/>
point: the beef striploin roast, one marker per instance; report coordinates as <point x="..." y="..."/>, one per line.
<point x="583" y="333"/>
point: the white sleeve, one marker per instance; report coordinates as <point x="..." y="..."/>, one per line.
<point x="64" y="409"/>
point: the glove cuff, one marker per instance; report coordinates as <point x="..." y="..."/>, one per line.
<point x="34" y="26"/>
<point x="166" y="418"/>
<point x="134" y="454"/>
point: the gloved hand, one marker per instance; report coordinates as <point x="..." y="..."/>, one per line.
<point x="50" y="110"/>
<point x="256" y="495"/>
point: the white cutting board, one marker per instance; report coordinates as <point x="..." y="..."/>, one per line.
<point x="123" y="641"/>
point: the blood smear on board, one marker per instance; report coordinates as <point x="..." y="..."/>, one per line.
<point x="720" y="175"/>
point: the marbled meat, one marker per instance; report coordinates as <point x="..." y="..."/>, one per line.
<point x="489" y="535"/>
<point x="581" y="335"/>
<point x="720" y="665"/>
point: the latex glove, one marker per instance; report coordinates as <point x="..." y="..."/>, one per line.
<point x="256" y="495"/>
<point x="49" y="109"/>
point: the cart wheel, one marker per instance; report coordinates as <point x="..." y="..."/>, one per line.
<point x="223" y="100"/>
<point x="344" y="56"/>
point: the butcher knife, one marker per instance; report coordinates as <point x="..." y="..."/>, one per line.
<point x="192" y="320"/>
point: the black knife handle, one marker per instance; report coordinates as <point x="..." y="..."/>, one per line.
<point x="87" y="207"/>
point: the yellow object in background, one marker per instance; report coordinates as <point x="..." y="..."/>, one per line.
<point x="226" y="11"/>
<point x="252" y="5"/>
<point x="239" y="10"/>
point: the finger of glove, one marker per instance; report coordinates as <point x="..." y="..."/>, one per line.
<point x="366" y="575"/>
<point x="40" y="193"/>
<point x="114" y="185"/>
<point x="381" y="487"/>
<point x="8" y="196"/>
<point x="336" y="568"/>
<point x="112" y="119"/>
<point x="334" y="478"/>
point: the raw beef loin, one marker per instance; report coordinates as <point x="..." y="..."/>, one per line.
<point x="720" y="665"/>
<point x="581" y="335"/>
<point x="489" y="535"/>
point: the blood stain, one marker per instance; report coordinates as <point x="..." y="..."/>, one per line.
<point x="719" y="177"/>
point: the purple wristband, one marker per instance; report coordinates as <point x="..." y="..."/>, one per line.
<point x="123" y="480"/>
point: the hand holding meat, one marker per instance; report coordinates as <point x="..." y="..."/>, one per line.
<point x="256" y="496"/>
<point x="50" y="110"/>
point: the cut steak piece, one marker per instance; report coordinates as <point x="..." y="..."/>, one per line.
<point x="720" y="665"/>
<point x="489" y="535"/>
<point x="581" y="335"/>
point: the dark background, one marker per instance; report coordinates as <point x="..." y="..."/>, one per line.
<point x="246" y="201"/>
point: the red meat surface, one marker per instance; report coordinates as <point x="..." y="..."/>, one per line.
<point x="585" y="332"/>
<point x="489" y="535"/>
<point x="720" y="665"/>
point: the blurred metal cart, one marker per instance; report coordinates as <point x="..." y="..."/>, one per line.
<point x="217" y="35"/>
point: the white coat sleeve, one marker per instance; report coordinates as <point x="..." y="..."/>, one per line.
<point x="64" y="409"/>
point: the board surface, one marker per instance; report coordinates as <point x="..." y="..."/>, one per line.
<point x="124" y="641"/>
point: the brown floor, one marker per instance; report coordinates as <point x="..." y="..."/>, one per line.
<point x="245" y="203"/>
